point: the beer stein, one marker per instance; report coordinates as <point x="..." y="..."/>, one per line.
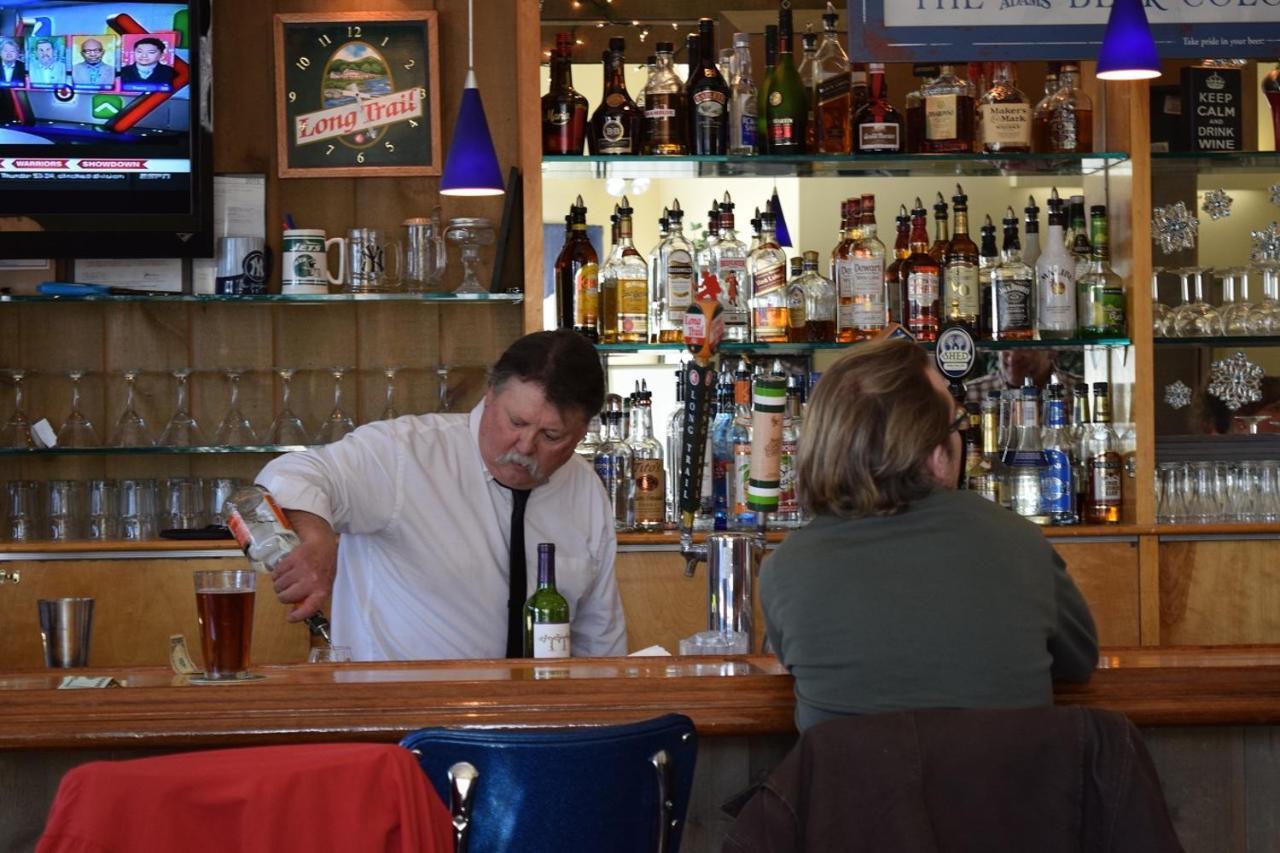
<point x="424" y="253"/>
<point x="368" y="250"/>
<point x="304" y="266"/>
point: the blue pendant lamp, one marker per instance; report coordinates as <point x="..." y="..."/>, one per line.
<point x="1128" y="50"/>
<point x="472" y="165"/>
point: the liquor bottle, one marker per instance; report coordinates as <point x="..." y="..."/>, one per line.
<point x="788" y="513"/>
<point x="609" y="284"/>
<point x="838" y="268"/>
<point x="1056" y="280"/>
<point x="1069" y="115"/>
<point x="665" y="113"/>
<point x="1102" y="292"/>
<point x="832" y="92"/>
<point x="948" y="114"/>
<point x="819" y="303"/>
<point x="919" y="275"/>
<point x="693" y="60"/>
<point x="989" y="480"/>
<point x="1077" y="236"/>
<point x="1078" y="433"/>
<point x="730" y="261"/>
<point x="740" y="516"/>
<point x="564" y="109"/>
<point x="590" y="443"/>
<point x="646" y="464"/>
<point x="727" y="63"/>
<point x="878" y="127"/>
<point x="807" y="72"/>
<point x="705" y="248"/>
<point x="866" y="271"/>
<point x="1031" y="232"/>
<point x="1056" y="490"/>
<point x="762" y="94"/>
<point x="615" y="125"/>
<point x="675" y="280"/>
<point x="546" y="613"/>
<point x="631" y="275"/>
<point x="797" y="332"/>
<point x="962" y="294"/>
<point x="971" y="438"/>
<point x="577" y="278"/>
<point x="708" y="97"/>
<point x="895" y="297"/>
<point x="1023" y="456"/>
<point x="988" y="260"/>
<point x="767" y="267"/>
<point x="721" y="441"/>
<point x="941" y="240"/>
<point x="655" y="265"/>
<point x="785" y="98"/>
<point x="1013" y="283"/>
<point x="755" y="233"/>
<point x="650" y="66"/>
<point x="1041" y="114"/>
<point x="613" y="465"/>
<point x="1102" y="505"/>
<point x="266" y="537"/>
<point x="913" y="108"/>
<point x="860" y="91"/>
<point x="743" y="101"/>
<point x="1004" y="113"/>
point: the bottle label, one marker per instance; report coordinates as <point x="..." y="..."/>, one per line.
<point x="613" y="137"/>
<point x="1006" y="125"/>
<point x="551" y="639"/>
<point x="558" y="114"/>
<point x="770" y="278"/>
<point x="795" y="307"/>
<point x="879" y="136"/>
<point x="586" y="282"/>
<point x="239" y="530"/>
<point x="605" y="470"/>
<point x="1055" y="483"/>
<point x="1105" y="479"/>
<point x="664" y="124"/>
<point x="709" y="103"/>
<point x="868" y="292"/>
<point x="732" y="272"/>
<point x="1013" y="304"/>
<point x="633" y="306"/>
<point x="744" y="126"/>
<point x="679" y="285"/>
<point x="922" y="290"/>
<point x="835" y="86"/>
<point x="651" y="496"/>
<point x="1057" y="296"/>
<point x="788" y="502"/>
<point x="941" y="117"/>
<point x="963" y="298"/>
<point x="782" y="130"/>
<point x="739" y="476"/>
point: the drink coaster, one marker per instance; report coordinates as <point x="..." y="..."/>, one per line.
<point x="239" y="679"/>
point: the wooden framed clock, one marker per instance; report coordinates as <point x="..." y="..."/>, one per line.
<point x="357" y="94"/>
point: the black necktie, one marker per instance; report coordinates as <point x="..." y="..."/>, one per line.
<point x="518" y="590"/>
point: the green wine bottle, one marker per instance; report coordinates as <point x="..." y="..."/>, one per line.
<point x="546" y="613"/>
<point x="785" y="104"/>
<point x="762" y="94"/>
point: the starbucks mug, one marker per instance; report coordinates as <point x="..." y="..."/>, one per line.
<point x="304" y="266"/>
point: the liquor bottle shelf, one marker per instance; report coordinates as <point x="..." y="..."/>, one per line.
<point x="810" y="347"/>
<point x="1221" y="341"/>
<point x="1203" y="162"/>
<point x="831" y="165"/>
<point x="277" y="298"/>
<point x="151" y="451"/>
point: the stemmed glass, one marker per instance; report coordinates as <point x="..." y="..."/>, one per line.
<point x="287" y="428"/>
<point x="77" y="430"/>
<point x="469" y="234"/>
<point x="235" y="429"/>
<point x="182" y="429"/>
<point x="389" y="411"/>
<point x="17" y="430"/>
<point x="1198" y="318"/>
<point x="1234" y="315"/>
<point x="1160" y="319"/>
<point x="131" y="428"/>
<point x="442" y="374"/>
<point x="1268" y="311"/>
<point x="339" y="423"/>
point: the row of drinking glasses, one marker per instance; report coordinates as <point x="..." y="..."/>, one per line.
<point x="183" y="430"/>
<point x="1236" y="315"/>
<point x="1214" y="492"/>
<point x="67" y="510"/>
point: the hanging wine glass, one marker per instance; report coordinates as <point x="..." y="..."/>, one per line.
<point x="389" y="410"/>
<point x="131" y="427"/>
<point x="182" y="429"/>
<point x="339" y="423"/>
<point x="1160" y="313"/>
<point x="287" y="428"/>
<point x="1234" y="313"/>
<point x="17" y="430"/>
<point x="235" y="429"/>
<point x="1197" y="318"/>
<point x="1268" y="322"/>
<point x="77" y="430"/>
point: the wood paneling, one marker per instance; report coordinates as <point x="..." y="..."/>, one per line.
<point x="1220" y="591"/>
<point x="1107" y="574"/>
<point x="661" y="604"/>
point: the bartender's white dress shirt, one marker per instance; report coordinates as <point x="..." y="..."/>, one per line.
<point x="423" y="554"/>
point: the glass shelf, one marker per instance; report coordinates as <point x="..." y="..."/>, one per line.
<point x="152" y="451"/>
<point x="277" y="298"/>
<point x="830" y="165"/>
<point x="807" y="347"/>
<point x="1223" y="341"/>
<point x="1223" y="161"/>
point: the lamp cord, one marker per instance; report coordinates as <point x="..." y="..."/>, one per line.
<point x="470" y="37"/>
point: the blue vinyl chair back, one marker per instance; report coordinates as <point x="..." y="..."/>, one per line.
<point x="567" y="790"/>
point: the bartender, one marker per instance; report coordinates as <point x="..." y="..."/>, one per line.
<point x="424" y="529"/>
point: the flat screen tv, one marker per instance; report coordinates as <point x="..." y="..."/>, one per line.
<point x="105" y="129"/>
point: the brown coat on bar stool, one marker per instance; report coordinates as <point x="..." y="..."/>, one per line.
<point x="963" y="781"/>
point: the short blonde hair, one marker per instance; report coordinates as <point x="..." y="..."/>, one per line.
<point x="874" y="420"/>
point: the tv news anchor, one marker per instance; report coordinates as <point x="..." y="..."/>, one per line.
<point x="93" y="71"/>
<point x="47" y="70"/>
<point x="147" y="72"/>
<point x="13" y="71"/>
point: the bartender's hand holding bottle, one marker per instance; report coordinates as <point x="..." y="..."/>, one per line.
<point x="304" y="577"/>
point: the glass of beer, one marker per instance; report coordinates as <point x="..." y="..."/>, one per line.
<point x="224" y="606"/>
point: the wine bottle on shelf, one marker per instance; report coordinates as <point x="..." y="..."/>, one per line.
<point x="785" y="101"/>
<point x="708" y="97"/>
<point x="665" y="119"/>
<point x="546" y="613"/>
<point x="564" y="109"/>
<point x="615" y="125"/>
<point x="762" y="94"/>
<point x="743" y="98"/>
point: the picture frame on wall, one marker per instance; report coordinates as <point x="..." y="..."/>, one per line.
<point x="357" y="93"/>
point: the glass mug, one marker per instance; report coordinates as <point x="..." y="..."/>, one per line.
<point x="368" y="250"/>
<point x="304" y="261"/>
<point x="425" y="257"/>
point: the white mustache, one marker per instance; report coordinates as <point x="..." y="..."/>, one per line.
<point x="515" y="457"/>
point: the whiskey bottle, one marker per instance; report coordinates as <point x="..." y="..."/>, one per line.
<point x="730" y="261"/>
<point x="840" y="270"/>
<point x="767" y="267"/>
<point x="807" y="71"/>
<point x="665" y="113"/>
<point x="615" y="125"/>
<point x="785" y="100"/>
<point x="1055" y="279"/>
<point x="832" y="92"/>
<point x="962" y="295"/>
<point x="948" y="114"/>
<point x="632" y="276"/>
<point x="1102" y="505"/>
<point x="577" y="278"/>
<point x="941" y="240"/>
<point x="1102" y="292"/>
<point x="866" y="272"/>
<point x="1070" y="115"/>
<point x="1041" y="114"/>
<point x="796" y="331"/>
<point x="819" y="303"/>
<point x="708" y="97"/>
<point x="1031" y="231"/>
<point x="893" y="273"/>
<point x="913" y="109"/>
<point x="655" y="267"/>
<point x="920" y="275"/>
<point x="647" y="472"/>
<point x="564" y="110"/>
<point x="1004" y="113"/>
<point x="609" y="284"/>
<point x="762" y="101"/>
<point x="675" y="280"/>
<point x="1013" y="282"/>
<point x="878" y="126"/>
<point x="861" y="93"/>
<point x="989" y="480"/>
<point x="988" y="260"/>
<point x="743" y="98"/>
